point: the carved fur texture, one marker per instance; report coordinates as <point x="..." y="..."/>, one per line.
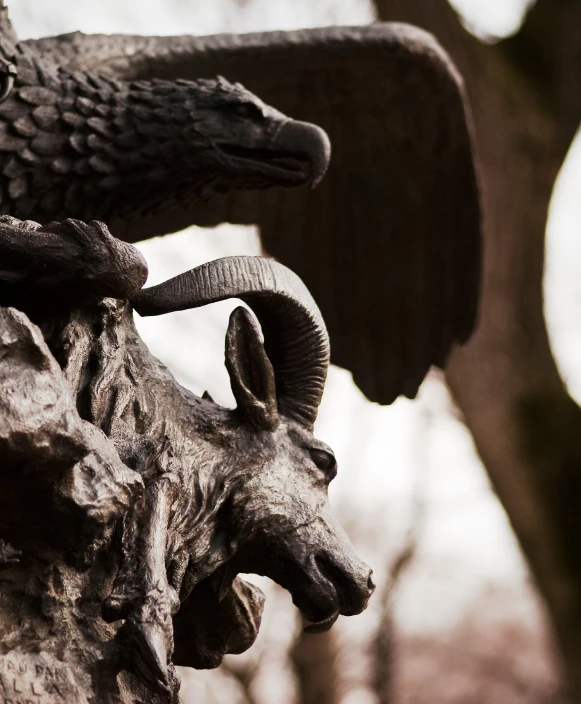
<point x="163" y="497"/>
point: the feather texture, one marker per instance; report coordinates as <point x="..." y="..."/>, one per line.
<point x="389" y="243"/>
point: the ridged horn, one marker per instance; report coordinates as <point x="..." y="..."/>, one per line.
<point x="295" y="337"/>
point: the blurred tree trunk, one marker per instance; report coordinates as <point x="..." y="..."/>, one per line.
<point x="525" y="94"/>
<point x="385" y="646"/>
<point x="314" y="658"/>
<point x="385" y="643"/>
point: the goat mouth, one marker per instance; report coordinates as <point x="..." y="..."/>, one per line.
<point x="286" y="168"/>
<point x="319" y="603"/>
<point x="333" y="595"/>
<point x="323" y="625"/>
<point x="321" y="611"/>
<point x="350" y="597"/>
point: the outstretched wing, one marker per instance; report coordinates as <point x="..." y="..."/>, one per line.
<point x="389" y="243"/>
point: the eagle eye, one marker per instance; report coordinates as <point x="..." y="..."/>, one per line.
<point x="325" y="461"/>
<point x="247" y="110"/>
<point x="7" y="77"/>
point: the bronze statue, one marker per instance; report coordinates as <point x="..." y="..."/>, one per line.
<point x="171" y="495"/>
<point x="128" y="505"/>
<point x="138" y="132"/>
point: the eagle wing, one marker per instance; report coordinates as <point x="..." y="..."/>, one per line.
<point x="389" y="243"/>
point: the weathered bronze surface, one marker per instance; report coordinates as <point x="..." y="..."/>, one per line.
<point x="138" y="132"/>
<point x="128" y="505"/>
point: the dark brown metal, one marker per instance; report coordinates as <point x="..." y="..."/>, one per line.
<point x="83" y="146"/>
<point x="295" y="337"/>
<point x="157" y="499"/>
<point x="128" y="505"/>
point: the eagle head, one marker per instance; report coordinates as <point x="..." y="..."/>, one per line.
<point x="78" y="145"/>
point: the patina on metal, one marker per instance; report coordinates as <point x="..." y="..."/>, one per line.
<point x="128" y="505"/>
<point x="157" y="499"/>
<point x="140" y="133"/>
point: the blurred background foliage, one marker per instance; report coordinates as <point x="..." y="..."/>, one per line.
<point x="457" y="617"/>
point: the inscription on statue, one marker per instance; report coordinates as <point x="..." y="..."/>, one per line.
<point x="30" y="678"/>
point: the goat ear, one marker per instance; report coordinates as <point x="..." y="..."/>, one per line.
<point x="250" y="370"/>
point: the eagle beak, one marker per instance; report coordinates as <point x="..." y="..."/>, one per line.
<point x="306" y="141"/>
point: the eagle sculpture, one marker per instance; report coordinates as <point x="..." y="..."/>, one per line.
<point x="145" y="134"/>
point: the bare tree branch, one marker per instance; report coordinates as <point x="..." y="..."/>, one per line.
<point x="547" y="52"/>
<point x="244" y="676"/>
<point x="385" y="635"/>
<point x="437" y="17"/>
<point x="314" y="658"/>
<point x="505" y="381"/>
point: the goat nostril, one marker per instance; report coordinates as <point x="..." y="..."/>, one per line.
<point x="370" y="582"/>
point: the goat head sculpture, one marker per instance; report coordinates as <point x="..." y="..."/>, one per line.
<point x="188" y="493"/>
<point x="214" y="491"/>
<point x="236" y="491"/>
<point x="282" y="511"/>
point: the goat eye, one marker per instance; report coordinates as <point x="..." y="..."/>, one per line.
<point x="325" y="461"/>
<point x="7" y="76"/>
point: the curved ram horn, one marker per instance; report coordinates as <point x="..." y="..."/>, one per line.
<point x="295" y="337"/>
